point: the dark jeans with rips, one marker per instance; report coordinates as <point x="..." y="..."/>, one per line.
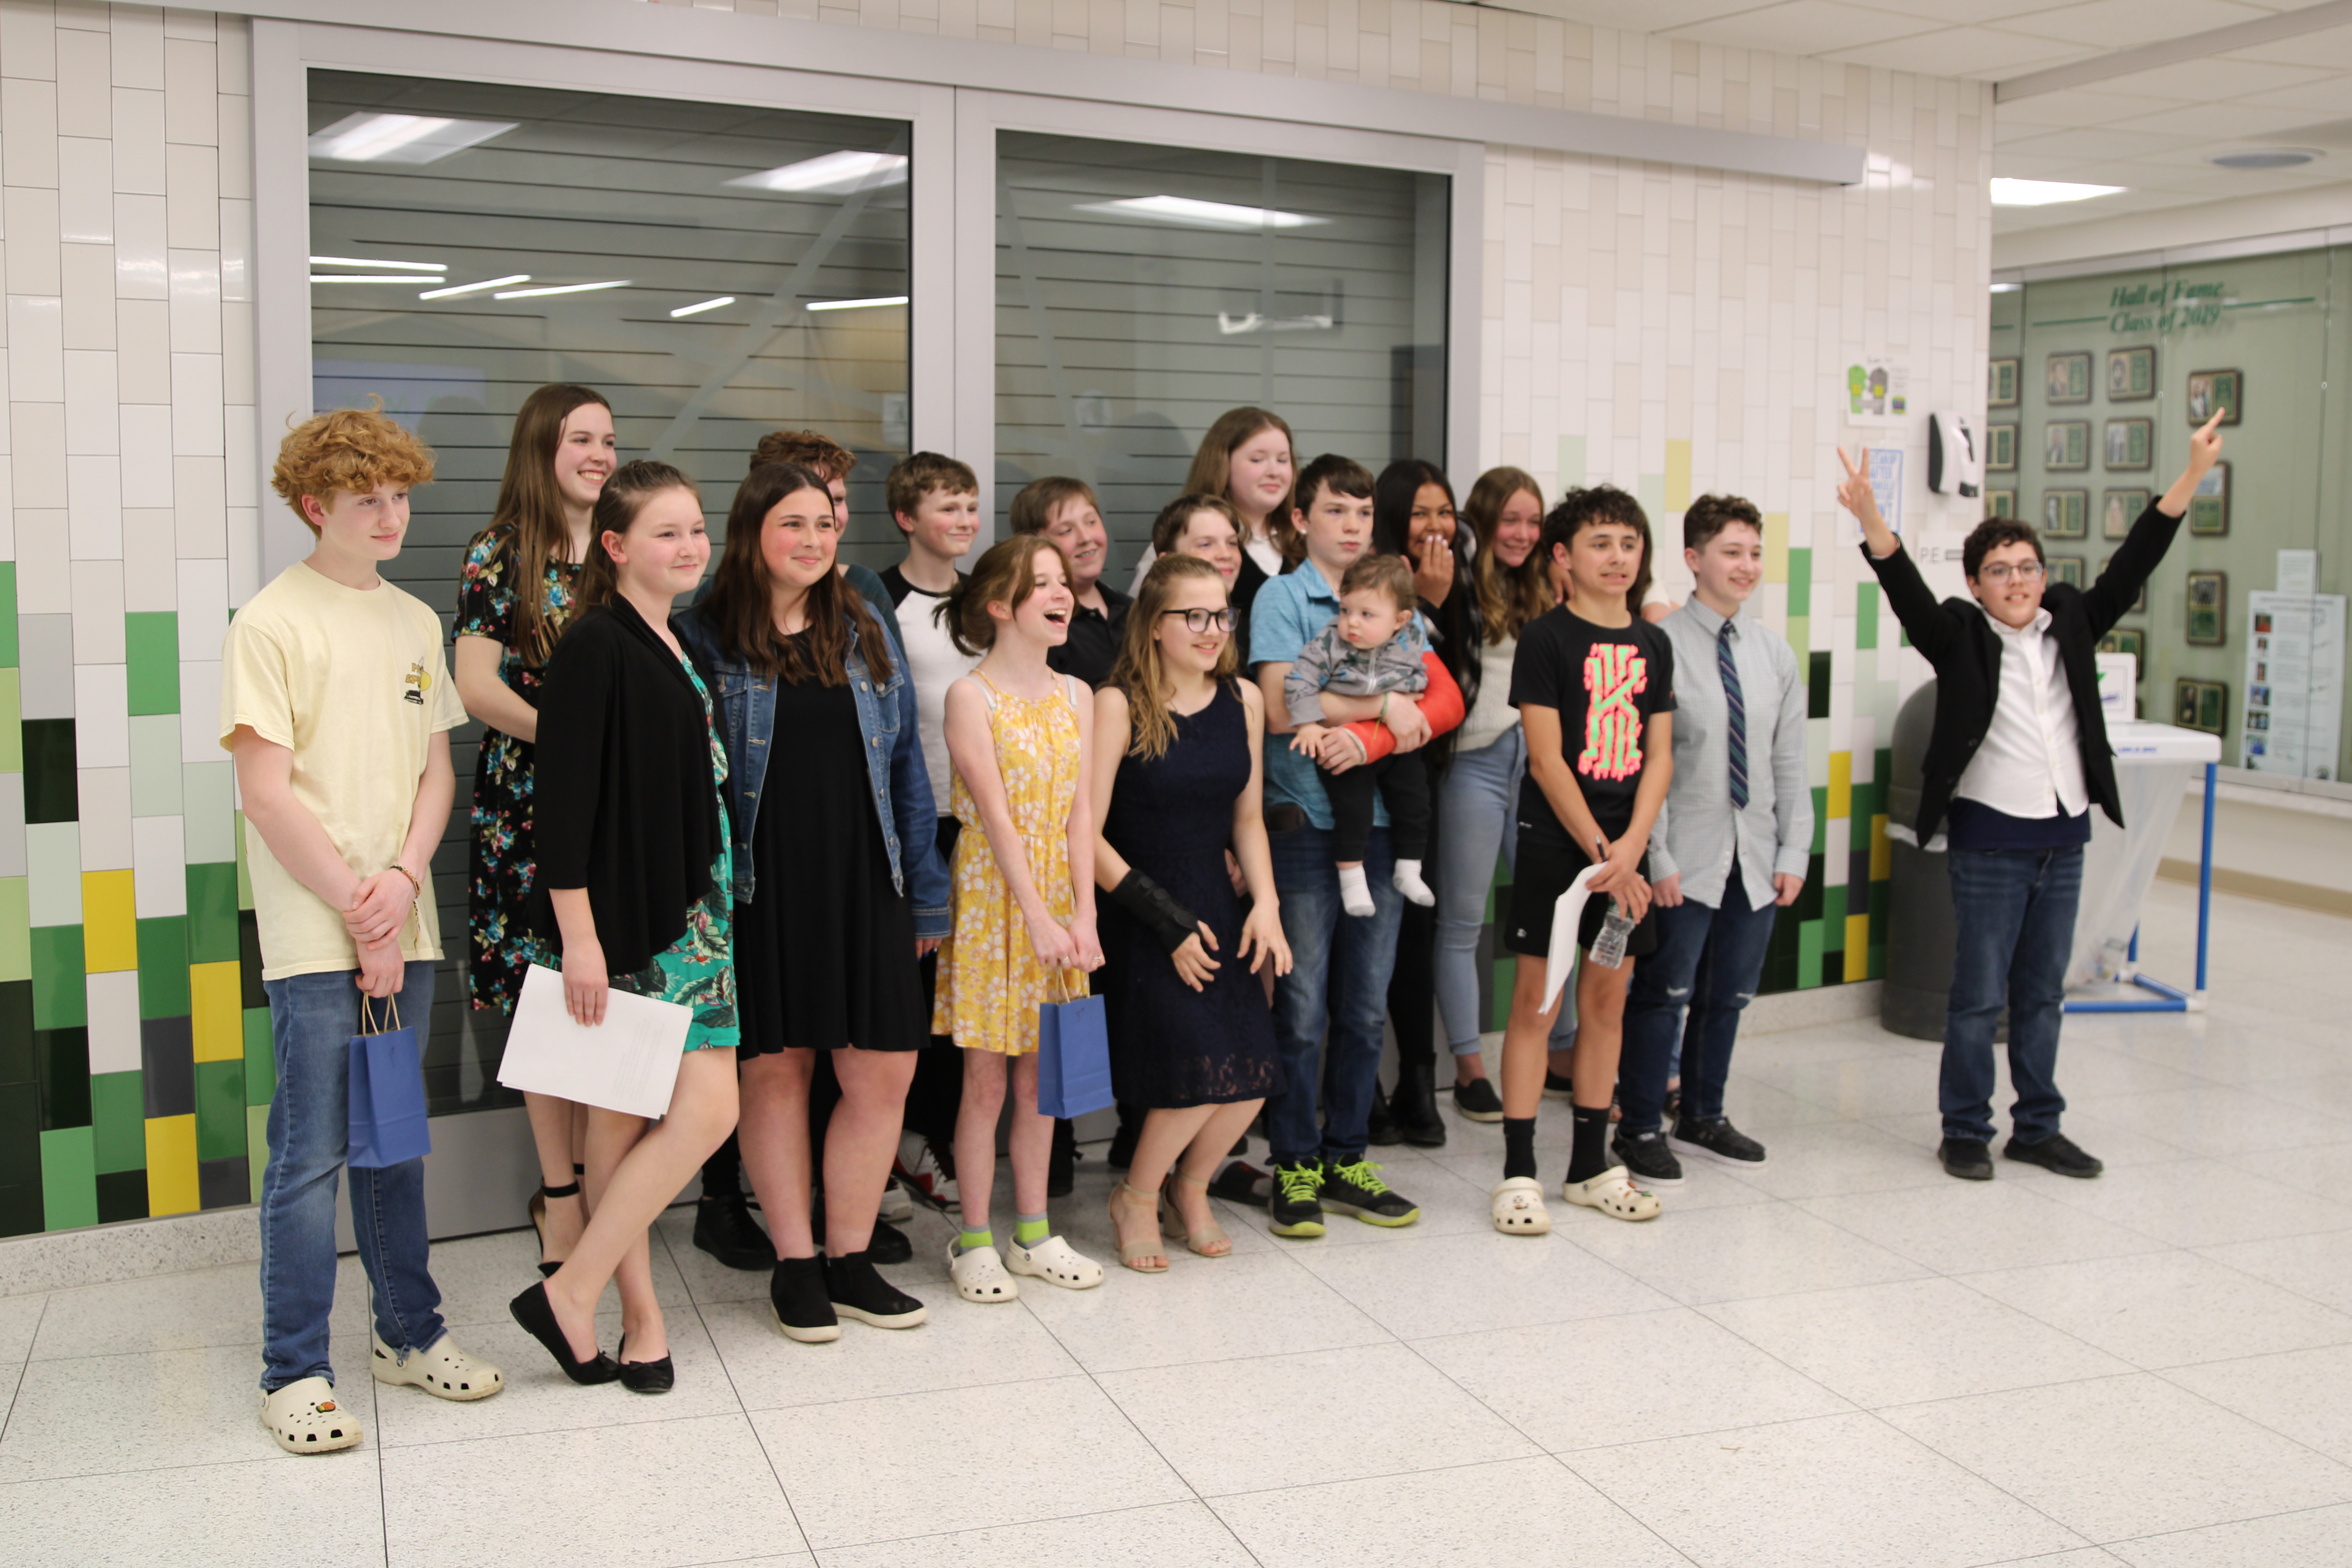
<point x="1708" y="960"/>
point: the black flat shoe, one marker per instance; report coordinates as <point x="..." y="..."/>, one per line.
<point x="889" y="1244"/>
<point x="1966" y="1158"/>
<point x="570" y="1189"/>
<point x="1476" y="1100"/>
<point x="1379" y="1128"/>
<point x="796" y="1295"/>
<point x="1414" y="1107"/>
<point x="647" y="1376"/>
<point x="724" y="1228"/>
<point x="537" y="1316"/>
<point x="858" y="1292"/>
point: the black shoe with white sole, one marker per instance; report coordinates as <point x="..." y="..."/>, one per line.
<point x="1476" y="1100"/>
<point x="1719" y="1141"/>
<point x="1646" y="1159"/>
<point x="1559" y="1086"/>
<point x="802" y="1305"/>
<point x="857" y="1291"/>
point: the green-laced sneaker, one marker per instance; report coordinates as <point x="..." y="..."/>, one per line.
<point x="1296" y="1204"/>
<point x="1355" y="1187"/>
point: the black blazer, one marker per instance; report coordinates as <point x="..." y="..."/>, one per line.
<point x="624" y="804"/>
<point x="1957" y="638"/>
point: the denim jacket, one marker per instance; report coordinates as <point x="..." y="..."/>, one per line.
<point x="894" y="764"/>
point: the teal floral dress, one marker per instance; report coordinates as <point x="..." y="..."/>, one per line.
<point x="503" y="864"/>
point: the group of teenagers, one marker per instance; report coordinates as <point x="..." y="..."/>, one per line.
<point x="1256" y="806"/>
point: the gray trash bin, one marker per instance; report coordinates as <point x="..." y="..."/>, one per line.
<point x="1920" y="937"/>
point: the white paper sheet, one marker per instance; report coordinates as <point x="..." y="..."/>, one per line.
<point x="629" y="1062"/>
<point x="1567" y="914"/>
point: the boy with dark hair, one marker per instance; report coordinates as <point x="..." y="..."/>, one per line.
<point x="337" y="706"/>
<point x="1339" y="971"/>
<point x="1372" y="647"/>
<point x="1066" y="511"/>
<point x="1729" y="850"/>
<point x="1594" y="685"/>
<point x="2018" y="756"/>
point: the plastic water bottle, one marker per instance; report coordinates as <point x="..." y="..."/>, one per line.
<point x="1609" y="947"/>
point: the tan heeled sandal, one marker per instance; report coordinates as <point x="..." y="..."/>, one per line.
<point x="1133" y="1253"/>
<point x="1210" y="1240"/>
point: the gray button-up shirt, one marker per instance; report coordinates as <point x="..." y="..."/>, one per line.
<point x="1698" y="833"/>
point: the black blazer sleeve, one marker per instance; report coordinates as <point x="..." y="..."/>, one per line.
<point x="1934" y="631"/>
<point x="2110" y="598"/>
<point x="575" y="705"/>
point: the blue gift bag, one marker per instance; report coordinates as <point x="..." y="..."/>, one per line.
<point x="387" y="1098"/>
<point x="1073" y="1058"/>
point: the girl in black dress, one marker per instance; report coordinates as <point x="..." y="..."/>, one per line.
<point x="839" y="885"/>
<point x="1178" y="770"/>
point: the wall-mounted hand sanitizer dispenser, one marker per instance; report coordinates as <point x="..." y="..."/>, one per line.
<point x="1955" y="461"/>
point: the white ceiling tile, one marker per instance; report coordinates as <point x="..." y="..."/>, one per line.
<point x="2113" y="25"/>
<point x="2206" y="80"/>
<point x="2104" y="141"/>
<point x="1963" y="52"/>
<point x="2328" y="100"/>
<point x="2088" y="107"/>
<point x="2247" y="120"/>
<point x="1804" y="28"/>
<point x="1630" y="16"/>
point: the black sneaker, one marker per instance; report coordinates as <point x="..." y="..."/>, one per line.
<point x="1969" y="1159"/>
<point x="888" y="1243"/>
<point x="1122" y="1147"/>
<point x="2056" y="1152"/>
<point x="1061" y="1165"/>
<point x="1646" y="1159"/>
<point x="724" y="1228"/>
<point x="796" y="1294"/>
<point x="859" y="1292"/>
<point x="1242" y="1182"/>
<point x="1719" y="1141"/>
<point x="1478" y="1100"/>
<point x="1354" y="1186"/>
<point x="1559" y="1086"/>
<point x="1297" y="1203"/>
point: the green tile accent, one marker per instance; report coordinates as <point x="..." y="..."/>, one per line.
<point x="212" y="913"/>
<point x="155" y="767"/>
<point x="256" y="1143"/>
<point x="260" y="1061"/>
<point x="207" y="806"/>
<point x="118" y="1112"/>
<point x="163" y="967"/>
<point x="16" y="929"/>
<point x="1817" y="685"/>
<point x="68" y="1178"/>
<point x="62" y="1059"/>
<point x="1833" y="920"/>
<point x="19" y="1061"/>
<point x="20" y="1206"/>
<point x="1820" y="845"/>
<point x="58" y="1002"/>
<point x="8" y="614"/>
<point x="1865" y="614"/>
<point x="1808" y="955"/>
<point x="11" y="719"/>
<point x="150" y="642"/>
<point x="1877" y="961"/>
<point x="1571" y="461"/>
<point x="1801" y="633"/>
<point x="20" y="1135"/>
<point x="220" y="1109"/>
<point x="1865" y="806"/>
<point x="1650" y="489"/>
<point x="52" y="788"/>
<point x="244" y="869"/>
<point x="1801" y="583"/>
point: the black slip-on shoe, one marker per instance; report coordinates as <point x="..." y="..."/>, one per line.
<point x="1969" y="1159"/>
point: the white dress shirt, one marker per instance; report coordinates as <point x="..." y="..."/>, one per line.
<point x="2031" y="763"/>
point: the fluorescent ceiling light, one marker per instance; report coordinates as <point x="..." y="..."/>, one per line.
<point x="1199" y="214"/>
<point x="363" y="277"/>
<point x="2007" y="288"/>
<point x="559" y="288"/>
<point x="2043" y="193"/>
<point x="856" y="304"/>
<point x="833" y="174"/>
<point x="473" y="287"/>
<point x="367" y="137"/>
<point x="355" y="261"/>
<point x="705" y="305"/>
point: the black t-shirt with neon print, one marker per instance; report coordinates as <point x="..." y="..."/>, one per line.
<point x="1605" y="681"/>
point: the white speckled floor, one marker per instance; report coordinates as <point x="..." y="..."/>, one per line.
<point x="1845" y="1359"/>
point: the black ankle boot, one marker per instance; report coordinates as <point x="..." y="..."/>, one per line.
<point x="797" y="1294"/>
<point x="1414" y="1107"/>
<point x="859" y="1292"/>
<point x="1380" y="1128"/>
<point x="1061" y="1167"/>
<point x="723" y="1227"/>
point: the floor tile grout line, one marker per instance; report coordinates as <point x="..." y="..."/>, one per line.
<point x="2193" y="1529"/>
<point x="2275" y="1431"/>
<point x="18" y="1391"/>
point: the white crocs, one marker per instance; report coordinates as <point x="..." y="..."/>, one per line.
<point x="1613" y="1192"/>
<point x="1056" y="1262"/>
<point x="441" y="1370"/>
<point x="1518" y="1207"/>
<point x="306" y="1419"/>
<point x="979" y="1276"/>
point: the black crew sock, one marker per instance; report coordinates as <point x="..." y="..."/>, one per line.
<point x="1590" y="1156"/>
<point x="1518" y="1146"/>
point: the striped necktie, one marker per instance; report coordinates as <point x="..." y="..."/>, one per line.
<point x="1735" y="709"/>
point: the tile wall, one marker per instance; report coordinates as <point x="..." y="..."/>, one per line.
<point x="1670" y="330"/>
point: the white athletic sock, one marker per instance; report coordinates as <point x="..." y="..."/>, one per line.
<point x="1408" y="882"/>
<point x="1355" y="892"/>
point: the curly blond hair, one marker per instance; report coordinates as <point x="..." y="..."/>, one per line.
<point x="353" y="449"/>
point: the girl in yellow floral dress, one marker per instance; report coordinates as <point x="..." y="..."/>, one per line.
<point x="1025" y="903"/>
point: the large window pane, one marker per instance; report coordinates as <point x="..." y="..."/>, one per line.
<point x="634" y="209"/>
<point x="1142" y="291"/>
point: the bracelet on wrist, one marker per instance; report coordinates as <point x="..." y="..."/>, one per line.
<point x="415" y="888"/>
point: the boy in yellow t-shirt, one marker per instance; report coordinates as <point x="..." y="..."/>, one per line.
<point x="337" y="706"/>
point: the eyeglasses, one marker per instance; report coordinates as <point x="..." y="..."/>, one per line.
<point x="2001" y="572"/>
<point x="1202" y="620"/>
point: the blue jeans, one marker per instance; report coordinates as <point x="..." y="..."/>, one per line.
<point x="312" y="1018"/>
<point x="1477" y="816"/>
<point x="1708" y="960"/>
<point x="1338" y="978"/>
<point x="2015" y="912"/>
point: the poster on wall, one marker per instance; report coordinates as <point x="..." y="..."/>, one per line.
<point x="1886" y="488"/>
<point x="2293" y="717"/>
<point x="1877" y="389"/>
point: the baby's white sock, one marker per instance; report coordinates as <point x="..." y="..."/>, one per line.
<point x="1408" y="882"/>
<point x="1355" y="892"/>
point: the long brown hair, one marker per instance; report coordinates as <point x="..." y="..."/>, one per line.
<point x="1508" y="596"/>
<point x="1212" y="471"/>
<point x="617" y="504"/>
<point x="1007" y="576"/>
<point x="741" y="604"/>
<point x="529" y="515"/>
<point x="1151" y="729"/>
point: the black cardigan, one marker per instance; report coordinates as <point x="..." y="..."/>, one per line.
<point x="624" y="804"/>
<point x="1957" y="638"/>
